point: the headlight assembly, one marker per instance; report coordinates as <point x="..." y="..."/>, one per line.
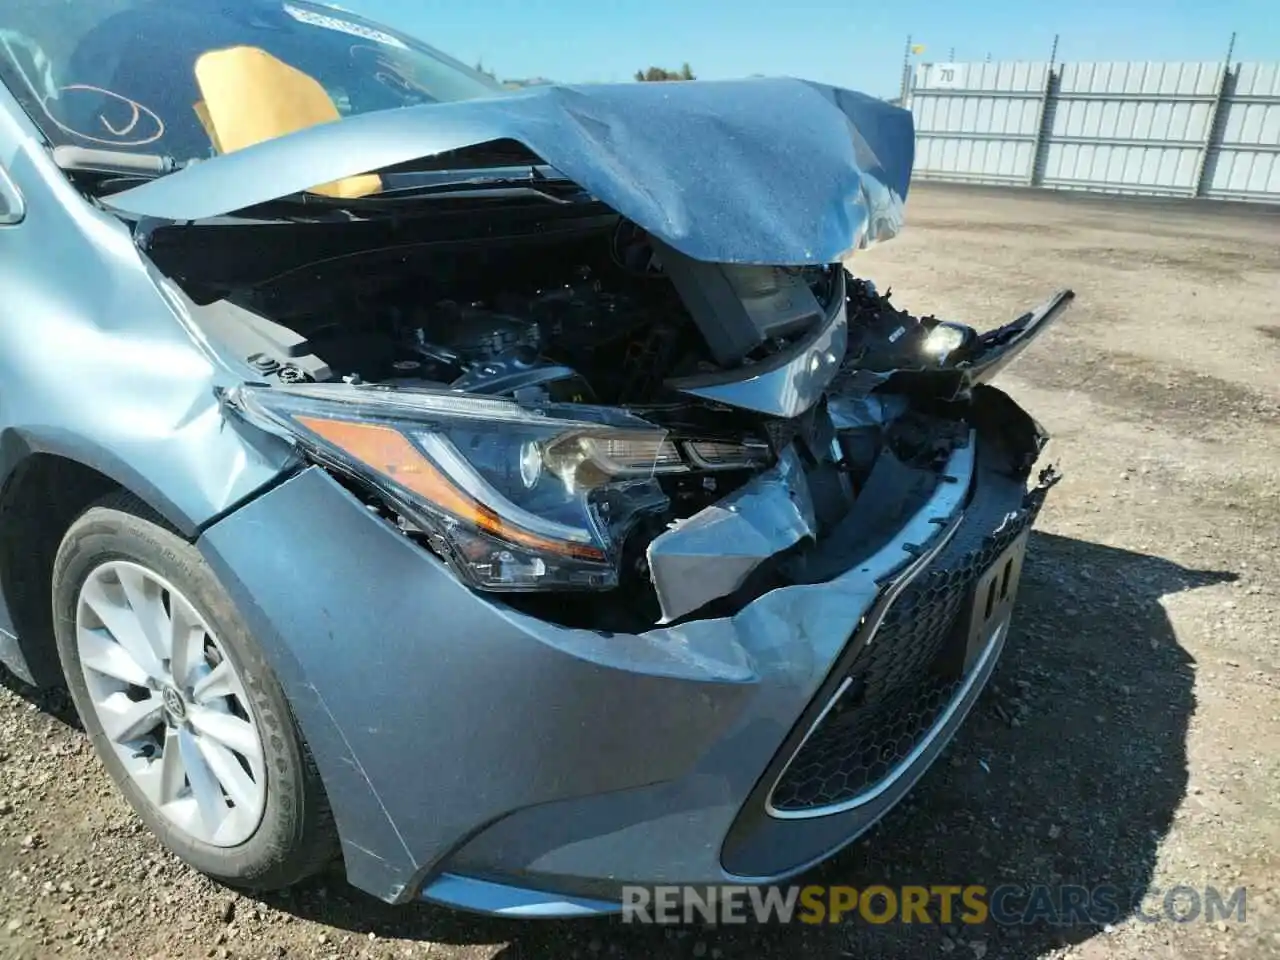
<point x="517" y="498"/>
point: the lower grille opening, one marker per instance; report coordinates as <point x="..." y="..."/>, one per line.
<point x="849" y="755"/>
<point x="897" y="686"/>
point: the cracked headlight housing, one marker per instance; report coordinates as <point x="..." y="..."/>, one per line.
<point x="515" y="498"/>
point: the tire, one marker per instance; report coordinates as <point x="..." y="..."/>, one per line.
<point x="119" y="542"/>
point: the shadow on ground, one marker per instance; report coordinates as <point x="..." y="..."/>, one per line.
<point x="55" y="702"/>
<point x="1067" y="773"/>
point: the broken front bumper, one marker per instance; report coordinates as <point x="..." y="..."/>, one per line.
<point x="483" y="758"/>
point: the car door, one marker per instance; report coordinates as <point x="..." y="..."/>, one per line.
<point x="12" y="212"/>
<point x="12" y="209"/>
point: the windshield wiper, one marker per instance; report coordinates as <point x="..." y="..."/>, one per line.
<point x="120" y="162"/>
<point x="558" y="191"/>
<point x="480" y="187"/>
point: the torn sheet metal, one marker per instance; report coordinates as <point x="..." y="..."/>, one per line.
<point x="711" y="553"/>
<point x="774" y="171"/>
<point x="865" y="410"/>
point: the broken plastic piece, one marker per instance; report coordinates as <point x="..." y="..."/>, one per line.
<point x="712" y="553"/>
<point x="787" y="383"/>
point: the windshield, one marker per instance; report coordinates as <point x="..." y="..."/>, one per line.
<point x="190" y="78"/>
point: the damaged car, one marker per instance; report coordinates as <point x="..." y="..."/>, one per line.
<point x="511" y="494"/>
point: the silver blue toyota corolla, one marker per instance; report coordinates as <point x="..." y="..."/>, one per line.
<point x="508" y="492"/>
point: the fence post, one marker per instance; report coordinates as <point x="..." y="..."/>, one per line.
<point x="906" y="73"/>
<point x="1217" y="121"/>
<point x="1043" y="116"/>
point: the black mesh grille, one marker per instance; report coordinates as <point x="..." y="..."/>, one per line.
<point x="900" y="683"/>
<point x="853" y="751"/>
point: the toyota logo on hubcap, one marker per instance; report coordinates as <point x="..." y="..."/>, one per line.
<point x="174" y="703"/>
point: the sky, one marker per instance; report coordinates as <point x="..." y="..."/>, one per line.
<point x="851" y="44"/>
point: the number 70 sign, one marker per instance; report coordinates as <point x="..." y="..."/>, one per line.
<point x="947" y="76"/>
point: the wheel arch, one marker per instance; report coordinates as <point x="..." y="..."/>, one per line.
<point x="48" y="485"/>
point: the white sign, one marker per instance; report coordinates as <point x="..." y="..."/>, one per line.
<point x="946" y="76"/>
<point x="342" y="26"/>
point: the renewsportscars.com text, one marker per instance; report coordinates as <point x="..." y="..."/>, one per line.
<point x="975" y="904"/>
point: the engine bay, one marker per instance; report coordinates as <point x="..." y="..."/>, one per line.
<point x="612" y="320"/>
<point x="584" y="320"/>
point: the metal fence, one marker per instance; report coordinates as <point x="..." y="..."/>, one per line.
<point x="1165" y="129"/>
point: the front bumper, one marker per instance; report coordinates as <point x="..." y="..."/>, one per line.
<point x="483" y="758"/>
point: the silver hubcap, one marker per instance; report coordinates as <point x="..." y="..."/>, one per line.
<point x="171" y="704"/>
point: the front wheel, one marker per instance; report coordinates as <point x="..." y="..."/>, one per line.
<point x="180" y="704"/>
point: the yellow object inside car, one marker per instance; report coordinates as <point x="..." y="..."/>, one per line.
<point x="251" y="96"/>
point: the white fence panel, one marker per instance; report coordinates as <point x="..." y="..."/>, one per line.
<point x="1130" y="127"/>
<point x="1172" y="129"/>
<point x="1245" y="162"/>
<point x="977" y="121"/>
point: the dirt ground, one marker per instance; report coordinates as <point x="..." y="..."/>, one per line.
<point x="1132" y="734"/>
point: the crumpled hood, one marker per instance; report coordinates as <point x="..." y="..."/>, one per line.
<point x="772" y="171"/>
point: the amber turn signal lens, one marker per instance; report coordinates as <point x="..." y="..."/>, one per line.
<point x="388" y="452"/>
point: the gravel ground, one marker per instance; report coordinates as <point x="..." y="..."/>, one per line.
<point x="1132" y="733"/>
